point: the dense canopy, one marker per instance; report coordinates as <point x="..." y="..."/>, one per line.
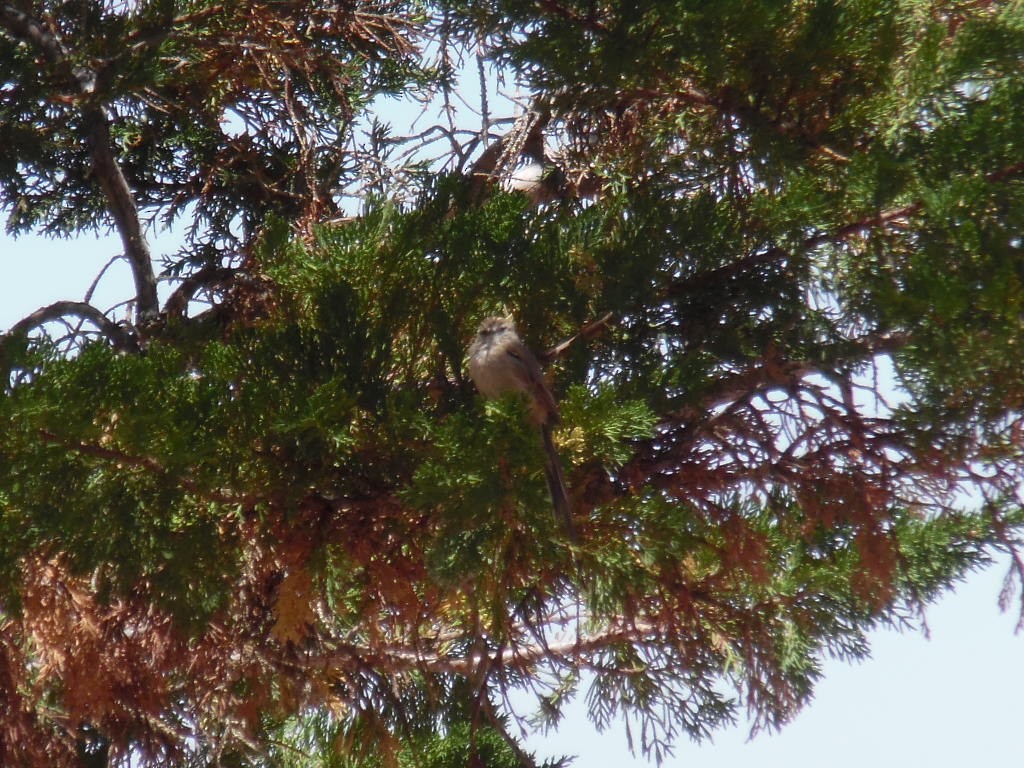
<point x="770" y="253"/>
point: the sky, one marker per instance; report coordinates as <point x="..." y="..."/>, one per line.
<point x="953" y="698"/>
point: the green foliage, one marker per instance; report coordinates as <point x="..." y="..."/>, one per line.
<point x="181" y="80"/>
<point x="779" y="297"/>
<point x="312" y="744"/>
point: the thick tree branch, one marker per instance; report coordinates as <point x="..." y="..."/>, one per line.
<point x="120" y="200"/>
<point x="210" y="275"/>
<point x="122" y="207"/>
<point x="117" y="335"/>
<point x="712" y="278"/>
<point x="24" y="27"/>
<point x="776" y="371"/>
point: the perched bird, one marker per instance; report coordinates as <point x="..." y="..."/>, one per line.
<point x="527" y="178"/>
<point x="499" y="363"/>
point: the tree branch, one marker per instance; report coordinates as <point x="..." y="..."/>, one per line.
<point x="117" y="335"/>
<point x="707" y="279"/>
<point x="862" y="225"/>
<point x="775" y="371"/>
<point x="586" y="22"/>
<point x="703" y="280"/>
<point x="895" y="214"/>
<point x="587" y="332"/>
<point x="177" y="303"/>
<point x="120" y="201"/>
<point x="122" y="207"/>
<point x="151" y="465"/>
<point x="692" y="424"/>
<point x="427" y="655"/>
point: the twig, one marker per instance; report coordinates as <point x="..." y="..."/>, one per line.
<point x="485" y="112"/>
<point x="587" y="332"/>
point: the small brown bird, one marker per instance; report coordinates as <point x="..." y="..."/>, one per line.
<point x="499" y="363"/>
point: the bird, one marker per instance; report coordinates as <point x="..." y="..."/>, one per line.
<point x="499" y="363"/>
<point x="527" y="178"/>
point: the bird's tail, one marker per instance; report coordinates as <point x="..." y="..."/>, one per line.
<point x="556" y="484"/>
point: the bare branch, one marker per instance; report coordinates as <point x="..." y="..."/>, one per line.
<point x="124" y="210"/>
<point x="116" y="334"/>
<point x="177" y="303"/>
